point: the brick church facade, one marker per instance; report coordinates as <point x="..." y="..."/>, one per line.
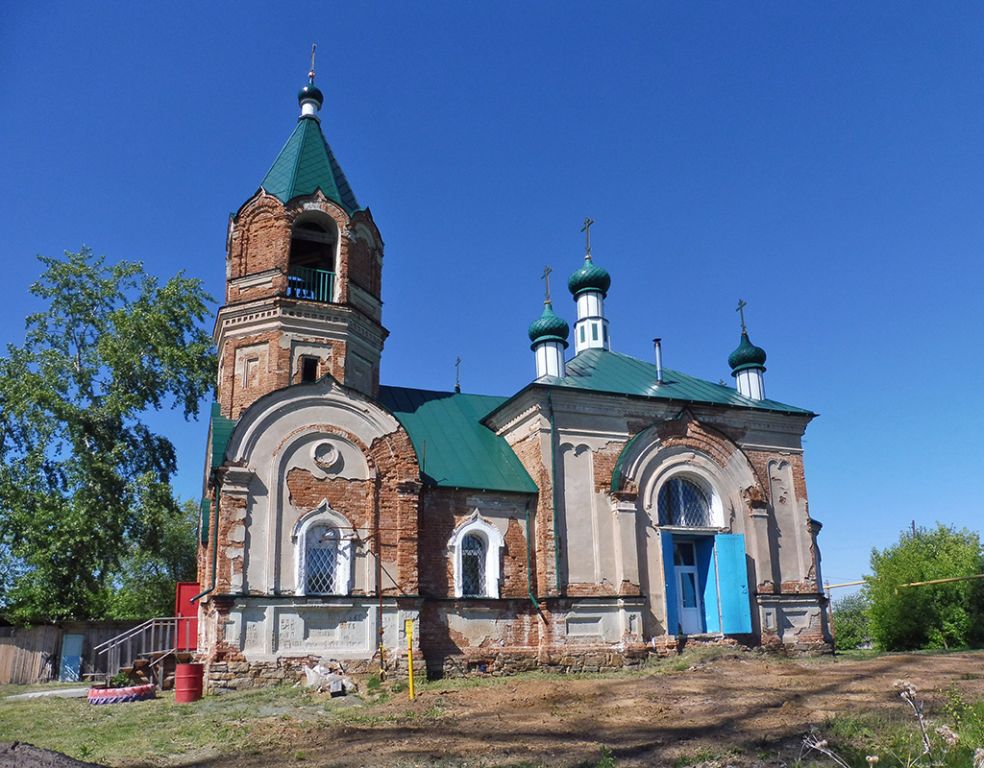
<point x="608" y="510"/>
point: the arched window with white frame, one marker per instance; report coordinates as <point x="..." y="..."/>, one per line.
<point x="323" y="549"/>
<point x="686" y="502"/>
<point x="320" y="560"/>
<point x="473" y="555"/>
<point x="476" y="551"/>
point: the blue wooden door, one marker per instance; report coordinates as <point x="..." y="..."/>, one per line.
<point x="669" y="581"/>
<point x="736" y="609"/>
<point x="708" y="579"/>
<point x="71" y="658"/>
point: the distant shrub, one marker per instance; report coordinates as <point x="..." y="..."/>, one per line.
<point x="937" y="616"/>
<point x="851" y="626"/>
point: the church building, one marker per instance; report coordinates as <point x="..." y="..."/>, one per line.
<point x="608" y="510"/>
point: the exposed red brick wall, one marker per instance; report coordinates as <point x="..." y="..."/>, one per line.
<point x="360" y="264"/>
<point x="545" y="572"/>
<point x="443" y="510"/>
<point x="691" y="433"/>
<point x="274" y="369"/>
<point x="203" y="556"/>
<point x="230" y="516"/>
<point x="512" y="648"/>
<point x="351" y="497"/>
<point x="365" y="260"/>
<point x="260" y="245"/>
<point x="260" y="240"/>
<point x="604" y="464"/>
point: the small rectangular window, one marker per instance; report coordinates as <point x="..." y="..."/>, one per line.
<point x="251" y="370"/>
<point x="604" y="333"/>
<point x="309" y="369"/>
<point x="594" y="331"/>
<point x="582" y="333"/>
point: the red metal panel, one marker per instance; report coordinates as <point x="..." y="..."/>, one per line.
<point x="187" y="613"/>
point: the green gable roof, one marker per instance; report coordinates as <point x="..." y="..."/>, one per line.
<point x="454" y="448"/>
<point x="598" y="370"/>
<point x="306" y="163"/>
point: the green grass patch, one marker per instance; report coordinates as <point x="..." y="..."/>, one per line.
<point x="116" y="733"/>
<point x="897" y="741"/>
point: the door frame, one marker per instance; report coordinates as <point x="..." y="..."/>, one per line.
<point x="678" y="573"/>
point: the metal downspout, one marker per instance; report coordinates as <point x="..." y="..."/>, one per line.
<point x="215" y="546"/>
<point x="554" y="488"/>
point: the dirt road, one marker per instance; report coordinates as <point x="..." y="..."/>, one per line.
<point x="750" y="708"/>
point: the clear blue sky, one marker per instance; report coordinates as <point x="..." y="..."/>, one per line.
<point x="823" y="161"/>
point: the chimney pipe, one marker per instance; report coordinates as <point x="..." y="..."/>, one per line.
<point x="658" y="348"/>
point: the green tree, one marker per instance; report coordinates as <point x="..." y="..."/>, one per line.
<point x="146" y="583"/>
<point x="84" y="481"/>
<point x="851" y="621"/>
<point x="936" y="616"/>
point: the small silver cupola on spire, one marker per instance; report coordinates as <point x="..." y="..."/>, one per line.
<point x="549" y="335"/>
<point x="748" y="363"/>
<point x="310" y="96"/>
<point x="589" y="285"/>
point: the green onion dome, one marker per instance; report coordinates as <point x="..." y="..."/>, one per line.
<point x="310" y="92"/>
<point x="549" y="327"/>
<point x="590" y="277"/>
<point x="747" y="355"/>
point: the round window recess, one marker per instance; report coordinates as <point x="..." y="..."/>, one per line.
<point x="326" y="457"/>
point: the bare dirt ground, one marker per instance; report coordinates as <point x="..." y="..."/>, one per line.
<point x="740" y="709"/>
<point x="750" y="709"/>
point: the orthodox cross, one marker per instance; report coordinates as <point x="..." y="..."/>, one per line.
<point x="586" y="229"/>
<point x="457" y="374"/>
<point x="741" y="311"/>
<point x="546" y="278"/>
<point x="314" y="47"/>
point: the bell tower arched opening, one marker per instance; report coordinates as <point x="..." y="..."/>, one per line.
<point x="312" y="259"/>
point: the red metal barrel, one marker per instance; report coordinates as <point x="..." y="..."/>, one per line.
<point x="188" y="682"/>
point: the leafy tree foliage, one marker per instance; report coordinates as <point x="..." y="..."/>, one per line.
<point x="84" y="481"/>
<point x="146" y="582"/>
<point x="851" y="621"/>
<point x="936" y="616"/>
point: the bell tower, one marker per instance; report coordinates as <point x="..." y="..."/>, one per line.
<point x="303" y="276"/>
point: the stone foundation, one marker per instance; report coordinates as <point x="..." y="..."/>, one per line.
<point x="222" y="676"/>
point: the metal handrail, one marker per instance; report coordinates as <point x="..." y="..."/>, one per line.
<point x="155" y="636"/>
<point x="311" y="284"/>
<point x="116" y="640"/>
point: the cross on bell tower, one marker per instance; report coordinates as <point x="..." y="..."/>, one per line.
<point x="586" y="229"/>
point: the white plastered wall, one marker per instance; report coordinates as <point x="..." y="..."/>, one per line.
<point x="280" y="433"/>
<point x="306" y="426"/>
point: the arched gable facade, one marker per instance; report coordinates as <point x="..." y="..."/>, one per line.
<point x="318" y="503"/>
<point x="693" y="567"/>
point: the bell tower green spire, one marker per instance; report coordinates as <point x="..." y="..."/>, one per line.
<point x="306" y="162"/>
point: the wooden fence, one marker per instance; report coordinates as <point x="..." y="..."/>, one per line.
<point x="31" y="654"/>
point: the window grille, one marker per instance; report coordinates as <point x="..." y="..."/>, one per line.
<point x="320" y="558"/>
<point x="472" y="566"/>
<point x="683" y="502"/>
